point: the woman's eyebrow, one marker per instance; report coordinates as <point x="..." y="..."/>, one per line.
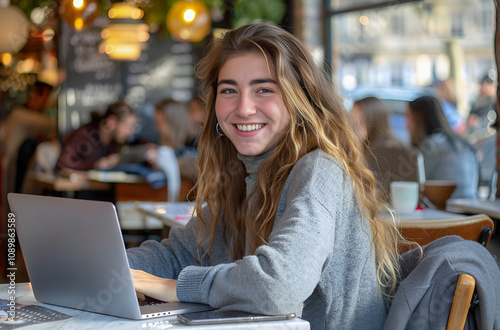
<point x="253" y="82"/>
<point x="263" y="81"/>
<point x="227" y="81"/>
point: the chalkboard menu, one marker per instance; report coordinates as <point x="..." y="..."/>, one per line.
<point x="93" y="80"/>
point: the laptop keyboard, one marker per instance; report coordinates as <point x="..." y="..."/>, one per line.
<point x="31" y="314"/>
<point x="148" y="301"/>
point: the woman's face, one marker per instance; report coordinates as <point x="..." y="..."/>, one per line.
<point x="359" y="122"/>
<point x="249" y="104"/>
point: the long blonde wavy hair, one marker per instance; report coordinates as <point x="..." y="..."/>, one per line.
<point x="318" y="121"/>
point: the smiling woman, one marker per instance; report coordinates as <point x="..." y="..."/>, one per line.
<point x="292" y="221"/>
<point x="249" y="105"/>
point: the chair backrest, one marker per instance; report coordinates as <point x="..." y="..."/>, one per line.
<point x="437" y="282"/>
<point x="477" y="228"/>
<point x="461" y="302"/>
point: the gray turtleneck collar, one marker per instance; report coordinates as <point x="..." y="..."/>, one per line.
<point x="252" y="166"/>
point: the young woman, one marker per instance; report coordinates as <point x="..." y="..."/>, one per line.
<point x="370" y="117"/>
<point x="446" y="155"/>
<point x="173" y="124"/>
<point x="292" y="222"/>
<point x="383" y="151"/>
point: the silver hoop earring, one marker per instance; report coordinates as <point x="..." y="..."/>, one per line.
<point x="217" y="128"/>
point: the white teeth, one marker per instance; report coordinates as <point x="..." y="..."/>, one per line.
<point x="248" y="128"/>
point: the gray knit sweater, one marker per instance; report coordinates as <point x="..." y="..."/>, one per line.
<point x="318" y="262"/>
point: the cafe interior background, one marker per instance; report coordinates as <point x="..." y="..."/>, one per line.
<point x="95" y="51"/>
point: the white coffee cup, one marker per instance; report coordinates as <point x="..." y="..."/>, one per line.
<point x="404" y="196"/>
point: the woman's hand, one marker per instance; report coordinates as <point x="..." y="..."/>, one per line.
<point x="163" y="289"/>
<point x="107" y="162"/>
<point x="150" y="153"/>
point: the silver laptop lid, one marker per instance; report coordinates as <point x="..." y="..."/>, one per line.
<point x="75" y="256"/>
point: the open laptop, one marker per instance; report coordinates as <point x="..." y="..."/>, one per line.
<point x="75" y="257"/>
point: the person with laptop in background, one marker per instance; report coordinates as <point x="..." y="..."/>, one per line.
<point x="292" y="222"/>
<point x="97" y="145"/>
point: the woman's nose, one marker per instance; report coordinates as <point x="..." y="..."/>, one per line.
<point x="245" y="107"/>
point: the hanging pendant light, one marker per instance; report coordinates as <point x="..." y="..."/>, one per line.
<point x="126" y="35"/>
<point x="79" y="14"/>
<point x="189" y="20"/>
<point x="15" y="29"/>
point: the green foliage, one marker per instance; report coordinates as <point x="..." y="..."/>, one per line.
<point x="258" y="10"/>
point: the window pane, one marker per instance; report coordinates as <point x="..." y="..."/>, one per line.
<point x="414" y="44"/>
<point x="398" y="52"/>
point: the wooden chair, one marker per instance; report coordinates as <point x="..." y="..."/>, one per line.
<point x="437" y="287"/>
<point x="461" y="302"/>
<point x="477" y="228"/>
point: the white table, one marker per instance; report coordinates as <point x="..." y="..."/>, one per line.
<point x="170" y="213"/>
<point x="427" y="214"/>
<point x="490" y="208"/>
<point x="86" y="320"/>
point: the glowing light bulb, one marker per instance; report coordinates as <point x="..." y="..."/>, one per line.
<point x="78" y="23"/>
<point x="364" y="20"/>
<point x="78" y="4"/>
<point x="189" y="15"/>
<point x="188" y="20"/>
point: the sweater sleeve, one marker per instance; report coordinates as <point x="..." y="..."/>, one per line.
<point x="168" y="257"/>
<point x="281" y="275"/>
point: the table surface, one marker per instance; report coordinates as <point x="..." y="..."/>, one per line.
<point x="87" y="320"/>
<point x="490" y="208"/>
<point x="114" y="177"/>
<point x="428" y="214"/>
<point x="170" y="213"/>
<point x="179" y="213"/>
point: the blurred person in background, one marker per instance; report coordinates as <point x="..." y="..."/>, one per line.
<point x="445" y="93"/>
<point x="447" y="156"/>
<point x="370" y="119"/>
<point x="175" y="155"/>
<point x="485" y="102"/>
<point x="23" y="128"/>
<point x="97" y="145"/>
<point x="173" y="123"/>
<point x="481" y="130"/>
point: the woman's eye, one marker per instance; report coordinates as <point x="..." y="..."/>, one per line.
<point x="265" y="90"/>
<point x="226" y="91"/>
